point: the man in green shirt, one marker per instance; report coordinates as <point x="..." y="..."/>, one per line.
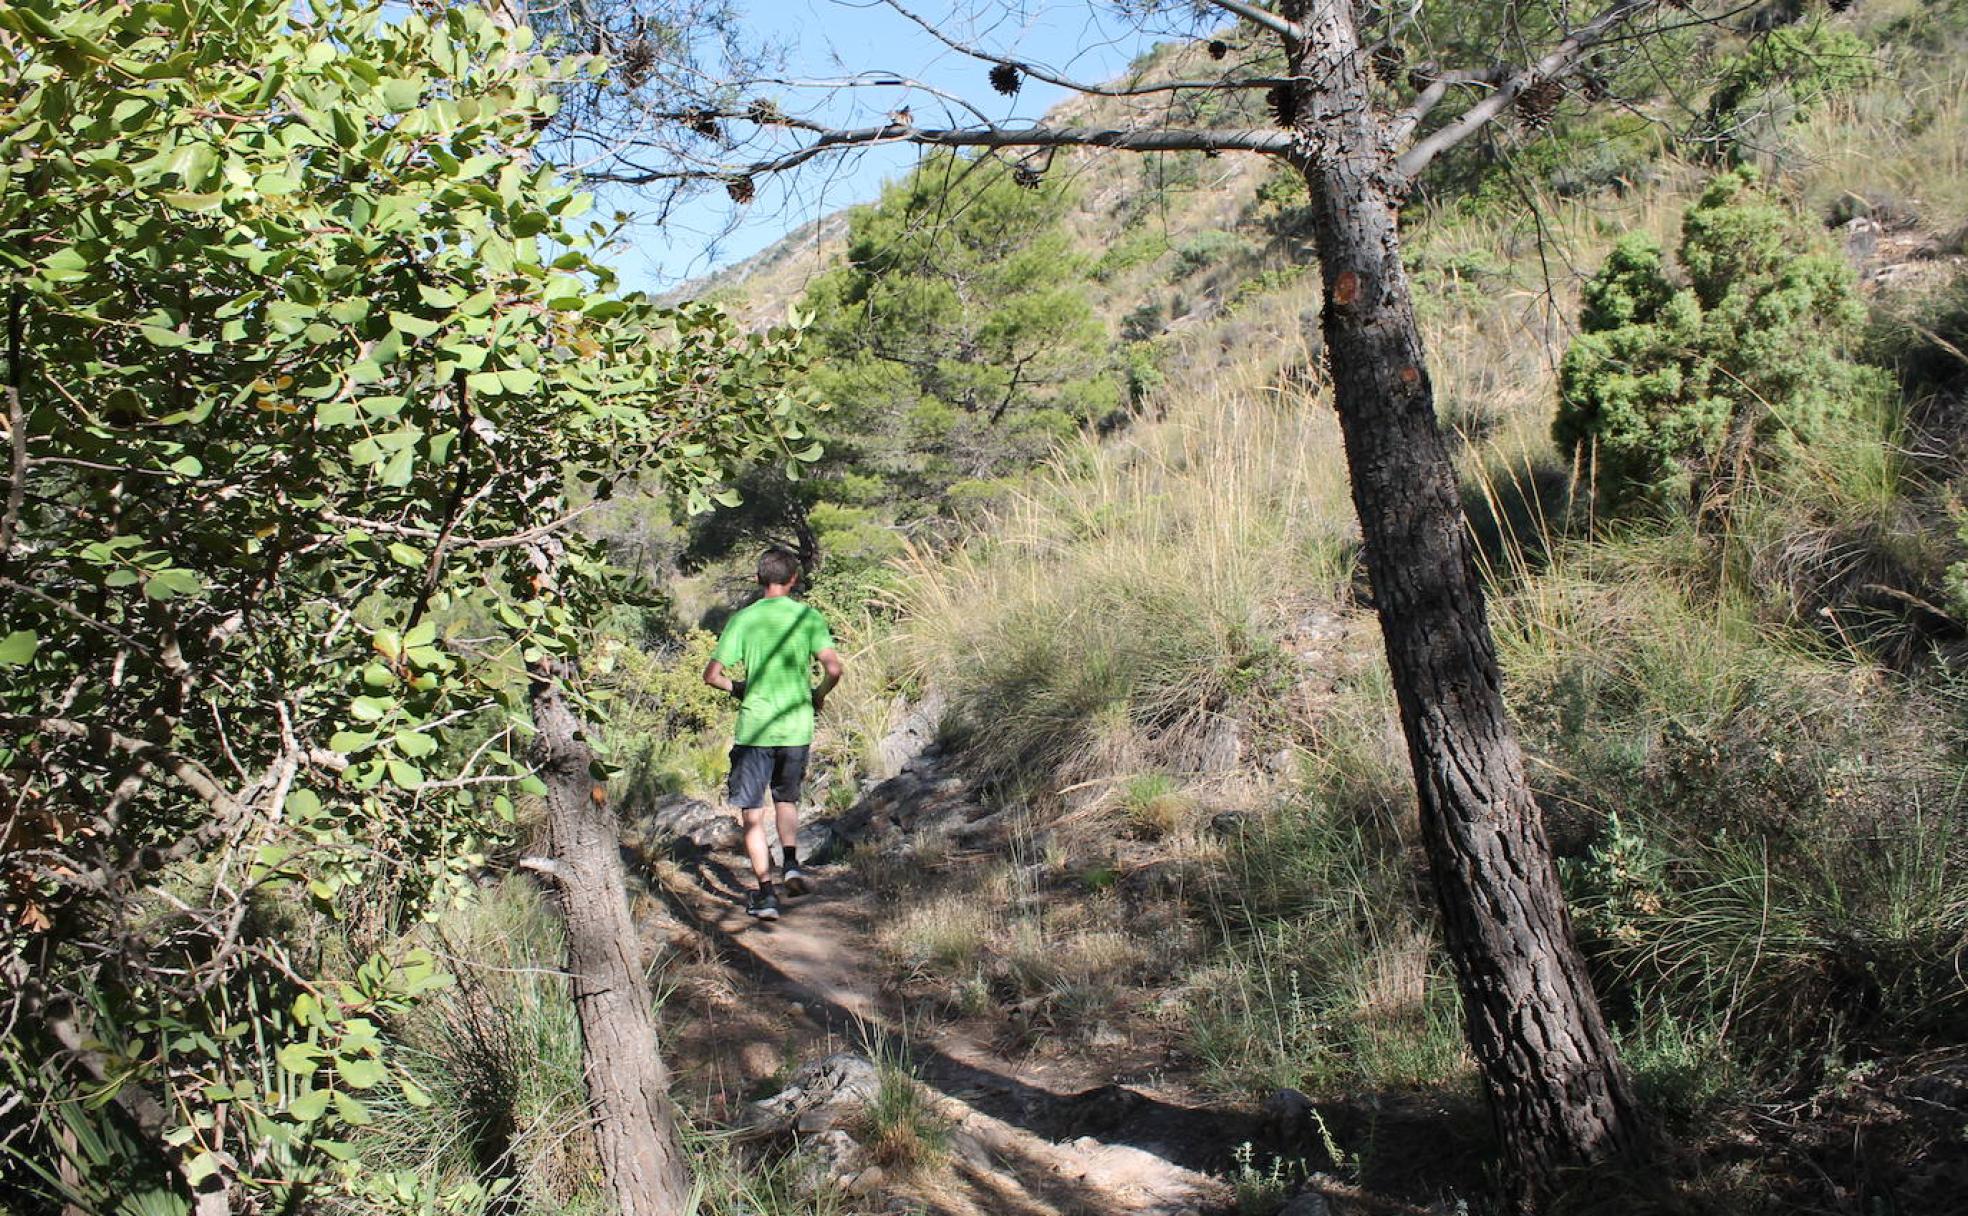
<point x="776" y="640"/>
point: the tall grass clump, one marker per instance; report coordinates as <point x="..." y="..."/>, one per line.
<point x="1760" y="838"/>
<point x="1111" y="616"/>
<point x="499" y="1056"/>
<point x="1330" y="976"/>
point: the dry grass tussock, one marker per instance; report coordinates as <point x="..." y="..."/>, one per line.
<point x="1128" y="598"/>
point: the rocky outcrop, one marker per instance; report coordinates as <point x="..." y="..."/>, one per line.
<point x="925" y="796"/>
<point x="820" y="1111"/>
<point x="678" y="817"/>
<point x="825" y="1095"/>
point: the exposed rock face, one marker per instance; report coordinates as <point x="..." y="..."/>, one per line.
<point x="824" y="1100"/>
<point x="914" y="735"/>
<point x="684" y="818"/>
<point x="825" y="1095"/>
<point x="920" y="798"/>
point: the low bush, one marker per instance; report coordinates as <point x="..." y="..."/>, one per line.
<point x="1686" y="385"/>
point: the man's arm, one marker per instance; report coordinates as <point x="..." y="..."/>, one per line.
<point x="830" y="675"/>
<point x="717" y="677"/>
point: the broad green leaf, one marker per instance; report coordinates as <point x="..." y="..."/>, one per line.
<point x="415" y="745"/>
<point x="359" y="1072"/>
<point x="351" y="1110"/>
<point x="299" y="1058"/>
<point x="165" y="584"/>
<point x="19" y="648"/>
<point x="310" y="1105"/>
<point x="519" y="380"/>
<point x="416" y="327"/>
<point x="396" y="474"/>
<point x="400" y="95"/>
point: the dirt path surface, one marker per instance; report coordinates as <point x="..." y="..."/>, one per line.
<point x="1030" y="1138"/>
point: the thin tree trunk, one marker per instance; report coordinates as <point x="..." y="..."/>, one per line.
<point x="634" y="1123"/>
<point x="1556" y="1089"/>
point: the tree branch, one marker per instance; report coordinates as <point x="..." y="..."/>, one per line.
<point x="1561" y="58"/>
<point x="1249" y="140"/>
<point x="1402" y="126"/>
<point x="16" y="433"/>
<point x="189" y="773"/>
<point x="1257" y="15"/>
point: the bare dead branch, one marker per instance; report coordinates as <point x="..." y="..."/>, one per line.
<point x="1402" y="126"/>
<point x="1561" y="58"/>
<point x="1258" y="15"/>
<point x="16" y="433"/>
<point x="1248" y="140"/>
<point x="188" y="772"/>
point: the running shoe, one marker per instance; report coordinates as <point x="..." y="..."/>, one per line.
<point x="763" y="905"/>
<point x="796" y="881"/>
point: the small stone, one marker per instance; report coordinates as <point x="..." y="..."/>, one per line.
<point x="1289" y="1115"/>
<point x="867" y="1181"/>
<point x="1306" y="1203"/>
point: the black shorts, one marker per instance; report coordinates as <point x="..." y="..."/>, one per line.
<point x="753" y="767"/>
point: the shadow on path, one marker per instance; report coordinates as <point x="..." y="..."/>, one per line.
<point x="1194" y="1138"/>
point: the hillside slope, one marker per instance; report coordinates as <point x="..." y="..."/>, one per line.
<point x="1150" y="662"/>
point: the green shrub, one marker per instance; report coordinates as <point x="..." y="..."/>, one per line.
<point x="1682" y="387"/>
<point x="1206" y="249"/>
<point x="1777" y="78"/>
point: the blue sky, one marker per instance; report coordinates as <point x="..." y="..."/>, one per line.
<point x="833" y="38"/>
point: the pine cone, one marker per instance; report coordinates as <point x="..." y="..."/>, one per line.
<point x="1283" y="100"/>
<point x="1537" y="103"/>
<point x="1387" y="61"/>
<point x="1218" y="48"/>
<point x="741" y="190"/>
<point x="764" y="111"/>
<point x="703" y="122"/>
<point x="637" y="58"/>
<point x="1004" y="78"/>
<point x="1026" y="176"/>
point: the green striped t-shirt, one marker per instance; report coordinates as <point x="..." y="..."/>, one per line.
<point x="775" y="639"/>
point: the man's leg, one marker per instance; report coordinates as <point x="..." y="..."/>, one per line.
<point x="756" y="850"/>
<point x="788" y="823"/>
<point x="788" y="775"/>
<point x="750" y="768"/>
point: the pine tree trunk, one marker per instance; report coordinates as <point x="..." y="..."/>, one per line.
<point x="1555" y="1086"/>
<point x="635" y="1127"/>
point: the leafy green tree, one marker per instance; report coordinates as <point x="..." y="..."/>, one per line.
<point x="1679" y="387"/>
<point x="959" y="335"/>
<point x="956" y="344"/>
<point x="306" y="362"/>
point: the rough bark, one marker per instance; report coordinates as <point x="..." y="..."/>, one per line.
<point x="1556" y="1090"/>
<point x="635" y="1127"/>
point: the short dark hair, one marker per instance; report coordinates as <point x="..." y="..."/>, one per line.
<point x="777" y="567"/>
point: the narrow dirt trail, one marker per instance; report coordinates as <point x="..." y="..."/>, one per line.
<point x="1030" y="1138"/>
